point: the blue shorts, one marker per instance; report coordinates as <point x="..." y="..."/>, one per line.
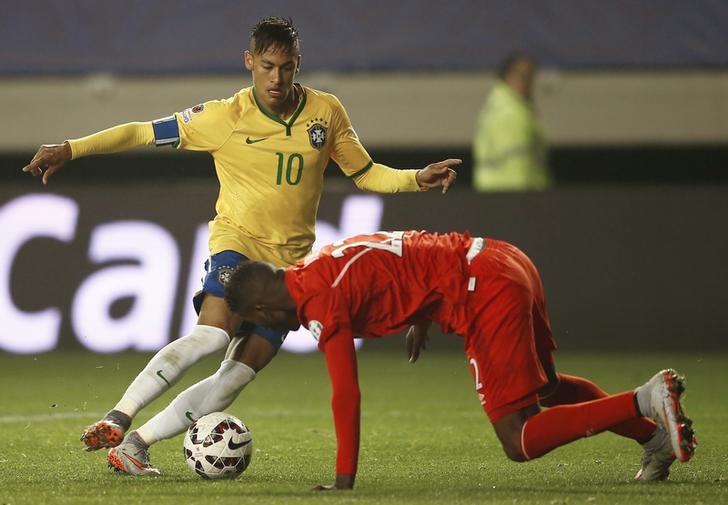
<point x="218" y="268"/>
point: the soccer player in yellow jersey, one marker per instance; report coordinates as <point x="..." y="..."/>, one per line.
<point x="271" y="143"/>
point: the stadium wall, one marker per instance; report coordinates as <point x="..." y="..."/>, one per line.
<point x="110" y="267"/>
<point x="395" y="110"/>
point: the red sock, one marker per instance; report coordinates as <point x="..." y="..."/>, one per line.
<point x="572" y="389"/>
<point x="560" y="425"/>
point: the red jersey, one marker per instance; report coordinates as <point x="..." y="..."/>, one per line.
<point x="372" y="286"/>
<point x="376" y="285"/>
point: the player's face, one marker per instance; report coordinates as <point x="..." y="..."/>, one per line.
<point x="273" y="76"/>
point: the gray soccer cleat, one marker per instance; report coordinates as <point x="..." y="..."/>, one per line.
<point x="131" y="457"/>
<point x="659" y="398"/>
<point x="657" y="458"/>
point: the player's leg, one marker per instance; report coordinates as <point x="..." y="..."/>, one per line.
<point x="567" y="389"/>
<point x="210" y="334"/>
<point x="132" y="455"/>
<point x="246" y="356"/>
<point x="560" y="425"/>
<point x="657" y="453"/>
<point x="571" y="389"/>
<point x="505" y="340"/>
<point x="162" y="371"/>
<point x="212" y="394"/>
<point x="527" y="433"/>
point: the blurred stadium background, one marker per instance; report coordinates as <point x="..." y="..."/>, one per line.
<point x="631" y="241"/>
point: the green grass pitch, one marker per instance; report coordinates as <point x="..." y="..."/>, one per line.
<point x="425" y="438"/>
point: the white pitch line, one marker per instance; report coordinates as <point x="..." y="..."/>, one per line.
<point x="48" y="417"/>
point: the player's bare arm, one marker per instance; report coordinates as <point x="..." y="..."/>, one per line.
<point x="416" y="340"/>
<point x="48" y="160"/>
<point x="438" y="174"/>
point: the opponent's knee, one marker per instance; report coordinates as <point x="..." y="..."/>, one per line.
<point x="509" y="431"/>
<point x="514" y="451"/>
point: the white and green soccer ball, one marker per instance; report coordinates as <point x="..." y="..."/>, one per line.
<point x="218" y="446"/>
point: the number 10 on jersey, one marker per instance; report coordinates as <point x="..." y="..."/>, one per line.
<point x="294" y="164"/>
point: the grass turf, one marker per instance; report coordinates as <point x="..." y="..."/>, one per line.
<point x="424" y="437"/>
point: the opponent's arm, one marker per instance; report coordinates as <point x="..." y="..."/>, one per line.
<point x="51" y="157"/>
<point x="346" y="406"/>
<point x="416" y="339"/>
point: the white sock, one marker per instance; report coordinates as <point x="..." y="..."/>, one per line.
<point x="212" y="394"/>
<point x="168" y="365"/>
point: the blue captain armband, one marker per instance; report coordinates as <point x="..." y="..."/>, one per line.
<point x="166" y="131"/>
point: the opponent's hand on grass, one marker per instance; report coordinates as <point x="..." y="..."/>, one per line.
<point x="438" y="174"/>
<point x="343" y="482"/>
<point x="416" y="340"/>
<point x="48" y="159"/>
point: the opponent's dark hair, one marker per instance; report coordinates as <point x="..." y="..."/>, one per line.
<point x="274" y="33"/>
<point x="509" y="61"/>
<point x="248" y="285"/>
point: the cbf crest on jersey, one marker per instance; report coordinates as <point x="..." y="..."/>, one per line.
<point x="317" y="129"/>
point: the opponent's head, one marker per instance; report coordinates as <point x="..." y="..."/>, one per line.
<point x="273" y="58"/>
<point x="257" y="292"/>
<point x="518" y="71"/>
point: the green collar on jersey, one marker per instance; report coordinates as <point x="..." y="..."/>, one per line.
<point x="278" y="120"/>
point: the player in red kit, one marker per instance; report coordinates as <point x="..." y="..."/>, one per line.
<point x="489" y="292"/>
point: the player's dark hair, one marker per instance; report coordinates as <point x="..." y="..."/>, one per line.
<point x="510" y="60"/>
<point x="274" y="33"/>
<point x="248" y="285"/>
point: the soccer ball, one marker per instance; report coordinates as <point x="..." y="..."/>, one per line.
<point x="218" y="446"/>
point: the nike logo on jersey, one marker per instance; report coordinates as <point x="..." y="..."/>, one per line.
<point x="254" y="141"/>
<point x="233" y="446"/>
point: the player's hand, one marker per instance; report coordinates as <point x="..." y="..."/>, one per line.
<point x="438" y="174"/>
<point x="416" y="340"/>
<point x="48" y="159"/>
<point x="343" y="481"/>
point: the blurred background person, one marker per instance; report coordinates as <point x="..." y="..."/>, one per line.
<point x="509" y="149"/>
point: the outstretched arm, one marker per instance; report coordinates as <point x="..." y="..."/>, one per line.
<point x="51" y="157"/>
<point x="346" y="406"/>
<point x="383" y="179"/>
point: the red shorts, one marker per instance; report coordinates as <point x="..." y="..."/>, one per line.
<point x="509" y="344"/>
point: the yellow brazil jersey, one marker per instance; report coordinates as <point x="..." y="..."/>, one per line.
<point x="270" y="170"/>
